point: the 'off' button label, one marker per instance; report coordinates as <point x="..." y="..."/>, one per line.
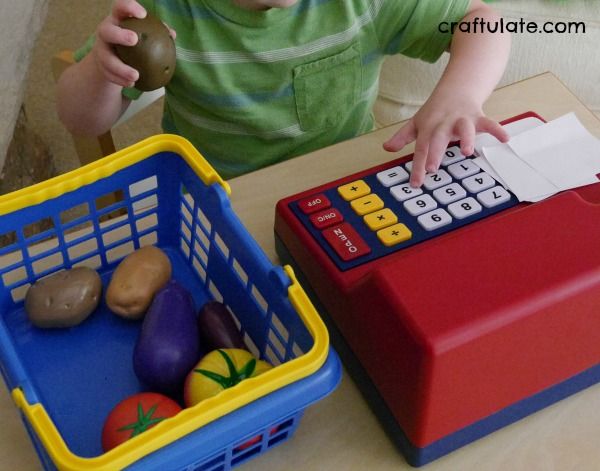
<point x="326" y="218"/>
<point x="314" y="203"/>
<point x="346" y="242"/>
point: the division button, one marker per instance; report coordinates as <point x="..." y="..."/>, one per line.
<point x="346" y="242"/>
<point x="314" y="203"/>
<point x="394" y="234"/>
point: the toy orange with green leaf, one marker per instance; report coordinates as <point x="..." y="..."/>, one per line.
<point x="219" y="370"/>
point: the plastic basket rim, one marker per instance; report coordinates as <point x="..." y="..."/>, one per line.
<point x="107" y="166"/>
<point x="189" y="419"/>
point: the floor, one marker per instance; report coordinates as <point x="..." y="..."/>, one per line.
<point x="62" y="32"/>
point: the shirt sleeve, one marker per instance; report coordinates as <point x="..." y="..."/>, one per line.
<point x="412" y="27"/>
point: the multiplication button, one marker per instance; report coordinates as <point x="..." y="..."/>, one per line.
<point x="464" y="208"/>
<point x="434" y="219"/>
<point x="493" y="197"/>
<point x="380" y="219"/>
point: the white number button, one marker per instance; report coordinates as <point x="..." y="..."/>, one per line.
<point x="450" y="193"/>
<point x="437" y="180"/>
<point x="408" y="165"/>
<point x="493" y="196"/>
<point x="465" y="208"/>
<point x="452" y="155"/>
<point x="405" y="191"/>
<point x="463" y="169"/>
<point x="392" y="176"/>
<point x="420" y="205"/>
<point x="434" y="219"/>
<point x="479" y="182"/>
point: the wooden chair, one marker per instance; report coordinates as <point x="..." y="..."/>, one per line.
<point x="90" y="149"/>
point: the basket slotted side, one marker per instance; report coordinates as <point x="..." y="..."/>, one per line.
<point x="167" y="204"/>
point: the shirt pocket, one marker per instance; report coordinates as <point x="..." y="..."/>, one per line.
<point x="326" y="90"/>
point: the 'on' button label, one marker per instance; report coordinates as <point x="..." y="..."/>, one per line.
<point x="326" y="218"/>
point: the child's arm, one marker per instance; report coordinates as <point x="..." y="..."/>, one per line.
<point x="454" y="109"/>
<point x="89" y="98"/>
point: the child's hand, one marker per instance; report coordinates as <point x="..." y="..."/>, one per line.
<point x="108" y="34"/>
<point x="440" y="121"/>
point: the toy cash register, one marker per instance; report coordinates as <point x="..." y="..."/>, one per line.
<point x="458" y="310"/>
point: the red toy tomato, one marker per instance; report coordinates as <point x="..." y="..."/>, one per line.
<point x="135" y="415"/>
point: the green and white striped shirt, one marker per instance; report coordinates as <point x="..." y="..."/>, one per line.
<point x="253" y="88"/>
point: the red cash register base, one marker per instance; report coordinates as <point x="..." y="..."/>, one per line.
<point x="462" y="334"/>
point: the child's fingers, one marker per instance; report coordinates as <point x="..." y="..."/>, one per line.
<point x="406" y="135"/>
<point x="113" y="34"/>
<point x="465" y="130"/>
<point x="126" y="9"/>
<point x="417" y="173"/>
<point x="490" y="126"/>
<point x="437" y="145"/>
<point x="113" y="69"/>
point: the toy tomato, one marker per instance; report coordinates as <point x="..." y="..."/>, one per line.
<point x="219" y="370"/>
<point x="135" y="415"/>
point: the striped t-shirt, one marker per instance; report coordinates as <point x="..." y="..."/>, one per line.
<point x="252" y="88"/>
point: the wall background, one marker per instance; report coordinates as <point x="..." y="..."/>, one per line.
<point x="20" y="24"/>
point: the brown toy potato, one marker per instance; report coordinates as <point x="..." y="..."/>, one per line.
<point x="63" y="299"/>
<point x="154" y="54"/>
<point x="135" y="281"/>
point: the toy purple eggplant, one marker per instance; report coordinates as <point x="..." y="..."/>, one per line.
<point x="217" y="328"/>
<point x="168" y="345"/>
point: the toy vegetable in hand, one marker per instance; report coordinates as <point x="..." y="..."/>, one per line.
<point x="220" y="369"/>
<point x="153" y="56"/>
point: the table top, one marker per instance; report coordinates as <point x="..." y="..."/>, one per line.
<point x="340" y="432"/>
